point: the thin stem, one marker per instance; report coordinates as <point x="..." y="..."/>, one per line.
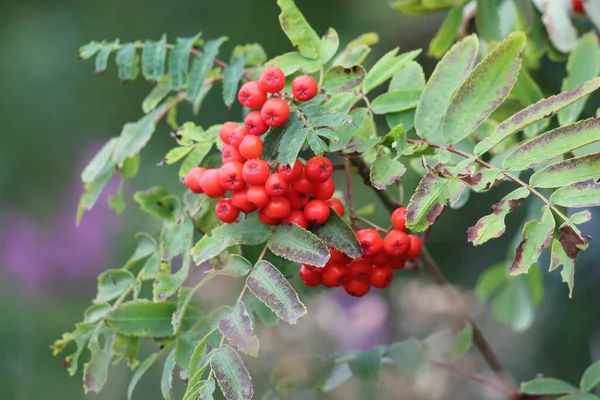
<point x="371" y="224"/>
<point x="364" y="172"/>
<point x="349" y="193"/>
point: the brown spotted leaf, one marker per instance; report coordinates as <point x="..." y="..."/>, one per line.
<point x="270" y="286"/>
<point x="573" y="242"/>
<point x="492" y="226"/>
<point x="339" y="79"/>
<point x="386" y="169"/>
<point x="338" y="234"/>
<point x="238" y="329"/>
<point x="569" y="171"/>
<point x="233" y="377"/>
<point x="578" y="195"/>
<point x="294" y="243"/>
<point x="559" y="257"/>
<point x="536" y="237"/>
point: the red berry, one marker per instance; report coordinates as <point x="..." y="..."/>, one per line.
<point x="257" y="196"/>
<point x="415" y="247"/>
<point x="360" y="269"/>
<point x="310" y="275"/>
<point x="399" y="218"/>
<point x="577" y="6"/>
<point x="225" y="211"/>
<point x="291" y="173"/>
<point x="239" y="199"/>
<point x="318" y="169"/>
<point x="230" y="176"/>
<point x="231" y="154"/>
<point x="303" y="185"/>
<point x="337" y="206"/>
<point x="210" y="184"/>
<point x="380" y="259"/>
<point x="251" y="147"/>
<point x="316" y="212"/>
<point x="297" y="217"/>
<point x="225" y="130"/>
<point x="275" y="112"/>
<point x="192" y="179"/>
<point x="381" y="277"/>
<point x="324" y="190"/>
<point x="272" y="80"/>
<point x="304" y="87"/>
<point x="254" y="124"/>
<point x="262" y="215"/>
<point x="255" y="172"/>
<point x="357" y="287"/>
<point x="397" y="263"/>
<point x="334" y="275"/>
<point x="337" y="257"/>
<point x="276" y="185"/>
<point x="236" y="136"/>
<point x="251" y="96"/>
<point x="396" y="243"/>
<point x="278" y="208"/>
<point x="370" y="241"/>
<point x="297" y="199"/>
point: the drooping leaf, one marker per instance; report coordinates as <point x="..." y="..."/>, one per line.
<point x="578" y="195"/>
<point x="330" y="42"/>
<point x="292" y="242"/>
<point x="298" y="30"/>
<point x="367" y="367"/>
<point x="492" y="226"/>
<point x="536" y="236"/>
<point x="232" y="376"/>
<point x="546" y="386"/>
<point x="201" y="65"/>
<point x="81" y="337"/>
<point x="486" y="87"/>
<point x="399" y="100"/>
<point x="158" y="94"/>
<point x="338" y="234"/>
<point x="127" y="61"/>
<point x="446" y="77"/>
<point x="292" y="62"/>
<point x="95" y="371"/>
<point x="102" y="56"/>
<point x="386" y="169"/>
<point x="89" y="50"/>
<point x="590" y="378"/>
<point x="292" y="141"/>
<point x="462" y="342"/>
<point x="232" y="75"/>
<point x="113" y="283"/>
<point x="339" y="79"/>
<point x="566" y="172"/>
<point x="445" y="36"/>
<point x="273" y="289"/>
<point x="386" y="67"/>
<point x="553" y="144"/>
<point x="237" y="327"/>
<point x="166" y="380"/>
<point x="154" y="55"/>
<point x="179" y="58"/>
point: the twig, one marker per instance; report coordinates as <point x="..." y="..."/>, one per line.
<point x="371" y="224"/>
<point x="363" y="171"/>
<point x="349" y="194"/>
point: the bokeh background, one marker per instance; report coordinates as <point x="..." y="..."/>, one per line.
<point x="55" y="114"/>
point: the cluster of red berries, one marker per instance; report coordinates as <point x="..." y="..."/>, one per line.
<point x="380" y="257"/>
<point x="300" y="194"/>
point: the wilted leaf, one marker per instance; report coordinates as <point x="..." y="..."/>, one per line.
<point x="578" y="195"/>
<point x="292" y="242"/>
<point x="339" y="79"/>
<point x="232" y="376"/>
<point x="546" y="386"/>
<point x="569" y="171"/>
<point x="338" y="234"/>
<point x="298" y="30"/>
<point x="237" y="327"/>
<point x="157" y="202"/>
<point x="95" y="371"/>
<point x="536" y="236"/>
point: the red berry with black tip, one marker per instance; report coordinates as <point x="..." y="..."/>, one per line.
<point x="272" y="80"/>
<point x="318" y="169"/>
<point x="230" y="176"/>
<point x="276" y="185"/>
<point x="192" y="179"/>
<point x="254" y="124"/>
<point x="291" y="173"/>
<point x="275" y="112"/>
<point x="251" y="147"/>
<point x="210" y="184"/>
<point x="231" y="154"/>
<point x="381" y="277"/>
<point x="226" y="211"/>
<point x="251" y="96"/>
<point x="225" y="130"/>
<point x="370" y="242"/>
<point x="297" y="217"/>
<point x="278" y="208"/>
<point x="317" y="212"/>
<point x="297" y="199"/>
<point x="255" y="172"/>
<point x="360" y="269"/>
<point x="334" y="275"/>
<point x="310" y="275"/>
<point x="304" y="88"/>
<point x="236" y="136"/>
<point x="357" y="287"/>
<point x="396" y="243"/>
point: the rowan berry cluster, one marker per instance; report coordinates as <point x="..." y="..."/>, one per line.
<point x="380" y="257"/>
<point x="299" y="193"/>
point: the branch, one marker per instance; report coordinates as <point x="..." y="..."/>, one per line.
<point x="364" y="172"/>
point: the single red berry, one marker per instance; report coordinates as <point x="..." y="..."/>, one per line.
<point x="262" y="215"/>
<point x="275" y="112"/>
<point x="360" y="269"/>
<point x="310" y="275"/>
<point x="276" y="185"/>
<point x="230" y="176"/>
<point x="225" y="130"/>
<point x="381" y="277"/>
<point x="257" y="196"/>
<point x="396" y="243"/>
<point x="577" y="6"/>
<point x="337" y="206"/>
<point x="303" y="185"/>
<point x="324" y="190"/>
<point x="297" y="217"/>
<point x="380" y="259"/>
<point x="236" y="136"/>
<point x="397" y="263"/>
<point x="335" y="275"/>
<point x="254" y="124"/>
<point x="291" y="173"/>
<point x="272" y="80"/>
<point x="210" y="184"/>
<point x="337" y="257"/>
<point x="370" y="242"/>
<point x="318" y="169"/>
<point x="226" y="211"/>
<point x="357" y="287"/>
<point x="231" y="154"/>
<point x="278" y="208"/>
<point x="304" y="87"/>
<point x="255" y="172"/>
<point x="251" y="96"/>
<point x="251" y="147"/>
<point x="192" y="179"/>
<point x="414" y="250"/>
<point x="316" y="212"/>
<point x="399" y="218"/>
<point x="239" y="199"/>
<point x="297" y="199"/>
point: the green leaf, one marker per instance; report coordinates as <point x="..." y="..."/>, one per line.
<point x="179" y="61"/>
<point x="399" y="100"/>
<point x="583" y="65"/>
<point x="486" y="87"/>
<point x="95" y="371"/>
<point x="569" y="171"/>
<point x="102" y="56"/>
<point x="487" y="20"/>
<point x="542" y="109"/>
<point x="338" y="234"/>
<point x="201" y="65"/>
<point x="199" y="361"/>
<point x="292" y="242"/>
<point x="273" y="289"/>
<point x="362" y="127"/>
<point x="578" y="195"/>
<point x="142" y="318"/>
<point x="166" y="381"/>
<point x="590" y="378"/>
<point x="411" y="77"/>
<point x="490" y="280"/>
<point x="514" y="304"/>
<point x="546" y="386"/>
<point x="236" y="266"/>
<point x="113" y="283"/>
<point x="536" y="236"/>
<point x="386" y="67"/>
<point x="261" y="310"/>
<point x="157" y="202"/>
<point x="158" y="94"/>
<point x="202" y="390"/>
<point x="80" y="336"/>
<point x="87" y="51"/>
<point x="194" y="157"/>
<point x="445" y="36"/>
<point x="579" y="396"/>
<point x="127" y="60"/>
<point x="135" y="135"/>
<point x="462" y="342"/>
<point x="154" y="55"/>
<point x="254" y="52"/>
<point x="330" y="42"/>
<point x="232" y="75"/>
<point x="339" y="79"/>
<point x="96" y="312"/>
<point x="176" y="154"/>
<point x="581" y="217"/>
<point x="238" y="329"/>
<point x="446" y="77"/>
<point x="367" y="367"/>
<point x="125" y="348"/>
<point x="386" y="169"/>
<point x="249" y="232"/>
<point x="407" y="355"/>
<point x="292" y="62"/>
<point x="492" y="226"/>
<point x="140" y="371"/>
<point x="339" y="374"/>
<point x="553" y="144"/>
<point x="292" y="141"/>
<point x="527" y="92"/>
<point x="297" y="29"/>
<point x="317" y="145"/>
